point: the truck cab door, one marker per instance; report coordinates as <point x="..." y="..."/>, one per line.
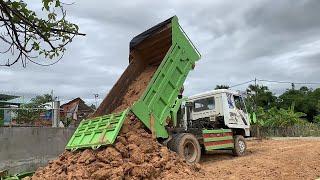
<point x="241" y="112"/>
<point x="229" y="110"/>
<point x="235" y="114"/>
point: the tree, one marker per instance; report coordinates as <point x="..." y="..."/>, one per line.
<point x="30" y="113"/>
<point x="40" y="100"/>
<point x="259" y="96"/>
<point x="28" y="36"/>
<point x="317" y="119"/>
<point x="222" y="86"/>
<point x="305" y="100"/>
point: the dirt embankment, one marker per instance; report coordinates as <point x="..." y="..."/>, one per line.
<point x="135" y="155"/>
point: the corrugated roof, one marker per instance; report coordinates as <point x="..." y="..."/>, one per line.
<point x="18" y="100"/>
<point x="6" y="97"/>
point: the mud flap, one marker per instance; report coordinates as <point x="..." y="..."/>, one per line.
<point x="97" y="131"/>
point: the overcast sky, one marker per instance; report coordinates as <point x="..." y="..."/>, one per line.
<point x="275" y="40"/>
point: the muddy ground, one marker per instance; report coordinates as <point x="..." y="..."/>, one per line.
<point x="267" y="159"/>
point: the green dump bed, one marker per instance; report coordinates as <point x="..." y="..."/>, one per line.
<point x="164" y="46"/>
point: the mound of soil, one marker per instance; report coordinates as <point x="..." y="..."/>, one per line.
<point x="135" y="154"/>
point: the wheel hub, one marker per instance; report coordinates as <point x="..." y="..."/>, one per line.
<point x="189" y="151"/>
<point x="242" y="146"/>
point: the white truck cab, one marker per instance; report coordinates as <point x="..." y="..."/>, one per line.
<point x="214" y="120"/>
<point x="221" y="107"/>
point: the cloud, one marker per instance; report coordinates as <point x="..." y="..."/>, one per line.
<point x="275" y="40"/>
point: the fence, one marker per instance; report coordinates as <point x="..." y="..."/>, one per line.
<point x="26" y="148"/>
<point x="64" y="116"/>
<point x="30" y="116"/>
<point x="290" y="131"/>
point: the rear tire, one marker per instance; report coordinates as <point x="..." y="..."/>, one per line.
<point x="187" y="147"/>
<point x="240" y="145"/>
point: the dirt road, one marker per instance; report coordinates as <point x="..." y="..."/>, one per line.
<point x="267" y="159"/>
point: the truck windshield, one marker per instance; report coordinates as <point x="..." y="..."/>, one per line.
<point x="204" y="104"/>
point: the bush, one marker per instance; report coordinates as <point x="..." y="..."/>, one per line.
<point x="279" y="117"/>
<point x="317" y="119"/>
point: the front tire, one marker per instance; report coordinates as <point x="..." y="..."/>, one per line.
<point x="240" y="145"/>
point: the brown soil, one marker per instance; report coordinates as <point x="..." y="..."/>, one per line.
<point x="136" y="88"/>
<point x="267" y="159"/>
<point x="135" y="155"/>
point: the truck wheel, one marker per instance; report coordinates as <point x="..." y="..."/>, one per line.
<point x="240" y="145"/>
<point x="188" y="148"/>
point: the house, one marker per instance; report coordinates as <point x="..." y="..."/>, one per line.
<point x="75" y="110"/>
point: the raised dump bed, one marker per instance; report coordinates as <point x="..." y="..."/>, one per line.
<point x="159" y="62"/>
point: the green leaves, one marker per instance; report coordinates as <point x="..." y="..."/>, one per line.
<point x="29" y="115"/>
<point x="57" y="4"/>
<point x="35" y="46"/>
<point x="279" y="117"/>
<point x="34" y="35"/>
<point x="46" y="4"/>
<point x="259" y="96"/>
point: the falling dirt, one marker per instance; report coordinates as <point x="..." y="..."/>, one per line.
<point x="134" y="155"/>
<point x="136" y="88"/>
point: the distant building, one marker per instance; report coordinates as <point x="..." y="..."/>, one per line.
<point x="6" y="103"/>
<point x="75" y="110"/>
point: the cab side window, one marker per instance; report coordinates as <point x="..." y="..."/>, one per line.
<point x="204" y="104"/>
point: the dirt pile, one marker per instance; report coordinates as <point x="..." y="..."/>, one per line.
<point x="135" y="155"/>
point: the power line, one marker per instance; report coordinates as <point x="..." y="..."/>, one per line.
<point x="287" y="82"/>
<point x="241" y="84"/>
<point x="274" y="81"/>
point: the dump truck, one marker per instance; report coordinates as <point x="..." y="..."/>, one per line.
<point x="186" y="125"/>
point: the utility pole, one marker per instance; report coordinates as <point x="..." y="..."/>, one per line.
<point x="52" y="109"/>
<point x="255" y="107"/>
<point x="95" y="99"/>
<point x="56" y="112"/>
<point x="255" y="94"/>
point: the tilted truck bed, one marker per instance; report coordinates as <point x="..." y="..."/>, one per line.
<point x="165" y="47"/>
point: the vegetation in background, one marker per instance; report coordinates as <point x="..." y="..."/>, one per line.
<point x="259" y="96"/>
<point x="293" y="107"/>
<point x="275" y="117"/>
<point x="27" y="35"/>
<point x="66" y="121"/>
<point x="31" y="113"/>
